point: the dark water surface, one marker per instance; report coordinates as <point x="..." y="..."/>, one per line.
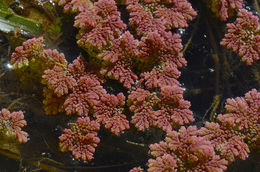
<point x="203" y="78"/>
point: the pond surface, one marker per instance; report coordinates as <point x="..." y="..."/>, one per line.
<point x="205" y="80"/>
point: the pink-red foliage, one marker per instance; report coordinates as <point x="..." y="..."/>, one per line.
<point x="243" y="37"/>
<point x="53" y="104"/>
<point x="137" y="169"/>
<point x="124" y="47"/>
<point x="109" y="112"/>
<point x="225" y="8"/>
<point x="58" y="80"/>
<point x="162" y="47"/>
<point x="174" y="14"/>
<point x="173" y="109"/>
<point x="242" y="112"/>
<point x="149" y="16"/>
<point x="186" y="151"/>
<point x="11" y="125"/>
<point x="84" y="96"/>
<point x="24" y="53"/>
<point x="243" y="115"/>
<point x="81" y="139"/>
<point x="162" y="163"/>
<point x="159" y="77"/>
<point x="142" y="20"/>
<point x="119" y="57"/>
<point x="104" y="25"/>
<point x="74" y="5"/>
<point x="228" y="142"/>
<point x="87" y="19"/>
<point x="122" y="72"/>
<point x="141" y="103"/>
<point x="166" y="112"/>
<point x="79" y="69"/>
<point x="54" y="57"/>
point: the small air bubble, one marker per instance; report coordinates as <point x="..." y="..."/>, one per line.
<point x="181" y="31"/>
<point x="211" y="70"/>
<point x="9" y="66"/>
<point x="248" y="8"/>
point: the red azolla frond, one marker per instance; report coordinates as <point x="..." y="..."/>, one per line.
<point x="243" y="115"/>
<point x="81" y="139"/>
<point x="143" y="118"/>
<point x="247" y="20"/>
<point x="74" y="5"/>
<point x="142" y="19"/>
<point x="151" y="46"/>
<point x="86" y="125"/>
<point x="117" y="123"/>
<point x="123" y="47"/>
<point x="170" y="98"/>
<point x="175" y="14"/>
<point x="105" y="8"/>
<point x="194" y="150"/>
<point x="121" y="71"/>
<point x="53" y="104"/>
<point x="243" y="37"/>
<point x="32" y="48"/>
<point x="109" y="112"/>
<point x="141" y="103"/>
<point x="253" y="100"/>
<point x="171" y="54"/>
<point x="137" y="169"/>
<point x="87" y="19"/>
<point x="120" y="56"/>
<point x="54" y="57"/>
<point x="100" y="36"/>
<point x="149" y="16"/>
<point x="11" y="125"/>
<point x="67" y="139"/>
<point x="115" y="24"/>
<point x="58" y="80"/>
<point x="234" y="147"/>
<point x="238" y="116"/>
<point x="97" y="38"/>
<point x="161" y="46"/>
<point x="225" y="8"/>
<point x="173" y="109"/>
<point x="159" y="77"/>
<point x="174" y="60"/>
<point x="172" y="42"/>
<point x="181" y="114"/>
<point x="226" y="141"/>
<point x="79" y="68"/>
<point x="176" y="140"/>
<point x="211" y="131"/>
<point x="105" y="23"/>
<point x="171" y="94"/>
<point x="163" y="163"/>
<point x="159" y="149"/>
<point x="85" y="95"/>
<point x="254" y="141"/>
<point x="186" y="151"/>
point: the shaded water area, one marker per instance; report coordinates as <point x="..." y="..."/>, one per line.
<point x="212" y="75"/>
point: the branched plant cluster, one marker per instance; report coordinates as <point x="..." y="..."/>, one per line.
<point x="145" y="57"/>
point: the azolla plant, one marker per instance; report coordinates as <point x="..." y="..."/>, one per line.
<point x="143" y="55"/>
